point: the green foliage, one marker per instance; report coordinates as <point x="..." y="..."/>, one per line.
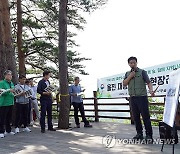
<point x="40" y="32"/>
<point x="155" y="108"/>
<point x="34" y="71"/>
<point x="127" y="121"/>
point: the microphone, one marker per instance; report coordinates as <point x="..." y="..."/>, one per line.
<point x="132" y="69"/>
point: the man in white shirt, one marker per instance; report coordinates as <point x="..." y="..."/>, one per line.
<point x="34" y="102"/>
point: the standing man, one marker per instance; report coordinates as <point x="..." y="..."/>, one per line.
<point x="77" y="102"/>
<point x="22" y="105"/>
<point x="136" y="80"/>
<point x="34" y="103"/>
<point x="45" y="101"/>
<point x="6" y="104"/>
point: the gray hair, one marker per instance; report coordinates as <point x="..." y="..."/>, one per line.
<point x="7" y="72"/>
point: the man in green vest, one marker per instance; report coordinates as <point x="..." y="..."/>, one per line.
<point x="136" y="80"/>
<point x="6" y="104"/>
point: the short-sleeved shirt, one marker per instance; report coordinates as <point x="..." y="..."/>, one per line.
<point x="144" y="75"/>
<point x="75" y="89"/>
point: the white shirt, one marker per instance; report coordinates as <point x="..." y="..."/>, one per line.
<point x="34" y="90"/>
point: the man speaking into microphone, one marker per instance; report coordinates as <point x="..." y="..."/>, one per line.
<point x="136" y="80"/>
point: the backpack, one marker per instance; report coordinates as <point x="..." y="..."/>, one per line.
<point x="166" y="132"/>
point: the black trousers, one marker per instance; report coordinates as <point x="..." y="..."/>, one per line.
<point x="79" y="107"/>
<point x="21" y="115"/>
<point x="140" y="106"/>
<point x="46" y="106"/>
<point x="5" y="118"/>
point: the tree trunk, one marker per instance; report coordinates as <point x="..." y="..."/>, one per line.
<point x="63" y="67"/>
<point x="7" y="53"/>
<point x="21" y="54"/>
<point x="3" y="64"/>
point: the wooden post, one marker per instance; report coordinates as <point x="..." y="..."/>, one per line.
<point x="131" y="114"/>
<point x="95" y="106"/>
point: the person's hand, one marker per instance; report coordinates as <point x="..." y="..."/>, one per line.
<point x="74" y="94"/>
<point x="46" y="93"/>
<point x="132" y="74"/>
<point x="152" y="92"/>
<point x="12" y="90"/>
<point x="83" y="90"/>
<point x="22" y="94"/>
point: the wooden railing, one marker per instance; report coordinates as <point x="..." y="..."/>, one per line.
<point x="96" y="111"/>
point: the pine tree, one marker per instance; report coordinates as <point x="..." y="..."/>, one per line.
<point x="40" y="33"/>
<point x="7" y="54"/>
<point x="63" y="69"/>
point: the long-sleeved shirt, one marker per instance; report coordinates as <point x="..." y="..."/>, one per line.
<point x="7" y="98"/>
<point x="22" y="99"/>
<point x="34" y="90"/>
<point x="40" y="88"/>
<point x="75" y="89"/>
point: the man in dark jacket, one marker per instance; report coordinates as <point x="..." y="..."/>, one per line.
<point x="45" y="101"/>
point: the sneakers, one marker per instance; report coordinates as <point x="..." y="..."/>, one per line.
<point x="88" y="125"/>
<point x="149" y="139"/>
<point x="10" y="133"/>
<point x="51" y="129"/>
<point x="1" y="135"/>
<point x="78" y="126"/>
<point x="26" y="130"/>
<point x="31" y="123"/>
<point x="139" y="136"/>
<point x="16" y="130"/>
<point x="42" y="130"/>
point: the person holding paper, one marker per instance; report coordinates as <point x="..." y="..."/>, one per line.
<point x="136" y="80"/>
<point x="22" y="105"/>
<point x="6" y="104"/>
<point x="45" y="101"/>
<point x="77" y="102"/>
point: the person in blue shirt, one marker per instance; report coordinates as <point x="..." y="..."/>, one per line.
<point x="77" y="102"/>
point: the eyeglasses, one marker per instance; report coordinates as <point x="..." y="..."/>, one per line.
<point x="9" y="74"/>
